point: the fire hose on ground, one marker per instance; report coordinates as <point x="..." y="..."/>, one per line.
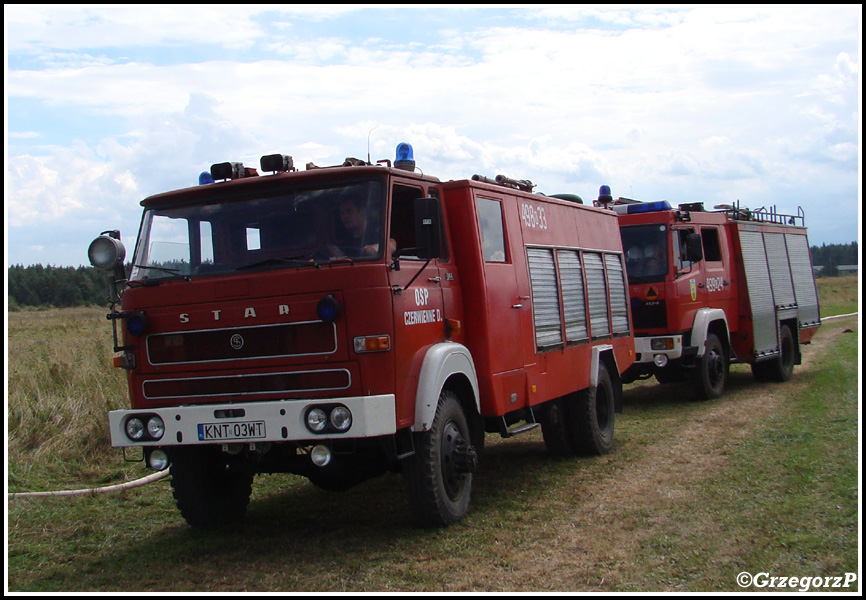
<point x="100" y="490"/>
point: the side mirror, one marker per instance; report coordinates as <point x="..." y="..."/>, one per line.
<point x="428" y="227"/>
<point x="694" y="247"/>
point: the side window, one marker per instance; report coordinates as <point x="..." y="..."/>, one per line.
<point x="712" y="248"/>
<point x="403" y="217"/>
<point x="680" y="249"/>
<point x="492" y="232"/>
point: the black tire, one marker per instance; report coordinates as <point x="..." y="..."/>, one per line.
<point x="590" y="415"/>
<point x="437" y="477"/>
<point x="335" y="480"/>
<point x="780" y="368"/>
<point x="558" y="439"/>
<point x="711" y="371"/>
<point x="211" y="488"/>
<point x="344" y="475"/>
<point x="670" y="374"/>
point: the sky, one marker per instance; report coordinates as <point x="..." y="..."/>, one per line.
<point x="106" y="105"/>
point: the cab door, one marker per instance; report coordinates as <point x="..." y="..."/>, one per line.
<point x="419" y="311"/>
<point x="690" y="290"/>
<point x="717" y="277"/>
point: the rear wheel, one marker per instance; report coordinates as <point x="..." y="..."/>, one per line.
<point x="780" y="368"/>
<point x="211" y="488"/>
<point x="438" y="476"/>
<point x="558" y="439"/>
<point x="711" y="372"/>
<point x="591" y="415"/>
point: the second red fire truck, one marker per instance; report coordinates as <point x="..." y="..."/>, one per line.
<point x="342" y="322"/>
<point x="709" y="288"/>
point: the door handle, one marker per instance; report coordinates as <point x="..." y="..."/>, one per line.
<point x="434" y="279"/>
<point x="516" y="306"/>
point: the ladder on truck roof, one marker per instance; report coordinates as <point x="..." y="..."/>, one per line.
<point x="763" y="215"/>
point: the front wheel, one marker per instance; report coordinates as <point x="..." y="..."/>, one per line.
<point x="211" y="488"/>
<point x="438" y="476"/>
<point x="711" y="373"/>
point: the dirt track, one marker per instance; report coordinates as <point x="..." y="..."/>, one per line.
<point x="640" y="501"/>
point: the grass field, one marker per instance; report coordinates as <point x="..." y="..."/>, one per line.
<point x="764" y="479"/>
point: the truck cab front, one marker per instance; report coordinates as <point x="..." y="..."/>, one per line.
<point x="259" y="315"/>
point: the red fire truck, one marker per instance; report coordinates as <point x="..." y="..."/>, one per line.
<point x="709" y="288"/>
<point x="341" y="322"/>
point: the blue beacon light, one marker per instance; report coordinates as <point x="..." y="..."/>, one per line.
<point x="645" y="207"/>
<point x="405" y="157"/>
<point x="604" y="195"/>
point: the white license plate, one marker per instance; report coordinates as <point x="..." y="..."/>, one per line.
<point x="232" y="430"/>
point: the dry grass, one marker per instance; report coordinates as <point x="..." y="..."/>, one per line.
<point x="692" y="494"/>
<point x="61" y="387"/>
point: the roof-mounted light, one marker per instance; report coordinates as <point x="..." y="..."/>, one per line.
<point x="232" y="170"/>
<point x="227" y="170"/>
<point x="604" y="196"/>
<point x="405" y="158"/>
<point x="642" y="207"/>
<point x="277" y="163"/>
<point x="204" y="178"/>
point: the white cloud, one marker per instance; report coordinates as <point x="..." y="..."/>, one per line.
<point x="658" y="102"/>
<point x="35" y="27"/>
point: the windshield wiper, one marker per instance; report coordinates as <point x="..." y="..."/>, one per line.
<point x="294" y="261"/>
<point x="175" y="274"/>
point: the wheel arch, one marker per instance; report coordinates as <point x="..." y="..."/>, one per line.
<point x="707" y="321"/>
<point x="447" y="365"/>
<point x="604" y="353"/>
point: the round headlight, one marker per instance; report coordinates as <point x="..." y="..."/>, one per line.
<point x="320" y="455"/>
<point x="155" y="427"/>
<point x="134" y="429"/>
<point x="317" y="420"/>
<point x="341" y="418"/>
<point x="158" y="459"/>
<point x="106" y="252"/>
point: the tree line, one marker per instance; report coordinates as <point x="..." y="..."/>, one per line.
<point x="60" y="287"/>
<point x="38" y="286"/>
<point x="832" y="256"/>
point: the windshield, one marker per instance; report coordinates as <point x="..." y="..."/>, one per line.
<point x="646" y="252"/>
<point x="297" y="228"/>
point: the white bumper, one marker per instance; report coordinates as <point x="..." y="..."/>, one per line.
<point x="643" y="347"/>
<point x="272" y="421"/>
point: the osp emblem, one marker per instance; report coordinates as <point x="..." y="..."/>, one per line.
<point x="693" y="288"/>
<point x="237" y="341"/>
